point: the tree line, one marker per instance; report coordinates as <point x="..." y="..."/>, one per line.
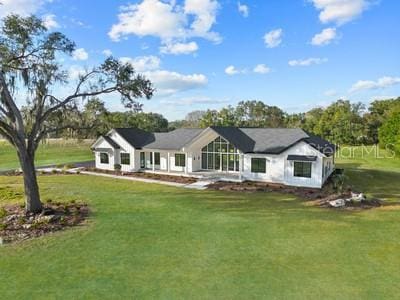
<point x="342" y="122"/>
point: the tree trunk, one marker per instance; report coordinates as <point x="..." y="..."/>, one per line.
<point x="32" y="197"/>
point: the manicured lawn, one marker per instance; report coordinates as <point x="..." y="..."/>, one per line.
<point x="53" y="152"/>
<point x="368" y="157"/>
<point x="373" y="171"/>
<point x="152" y="241"/>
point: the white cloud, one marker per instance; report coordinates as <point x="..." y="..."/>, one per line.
<point x="179" y="48"/>
<point x="381" y="83"/>
<point x="143" y="63"/>
<point x="75" y="71"/>
<point x="107" y="52"/>
<point x="330" y="93"/>
<point x="80" y="54"/>
<point x="231" y="70"/>
<point x="150" y="17"/>
<point x="261" y="69"/>
<point x="273" y="38"/>
<point x="168" y="83"/>
<point x="325" y="37"/>
<point x="205" y="15"/>
<point x="167" y="20"/>
<point x="50" y="22"/>
<point x="20" y="7"/>
<point x="243" y="9"/>
<point x="340" y="11"/>
<point x="307" y="62"/>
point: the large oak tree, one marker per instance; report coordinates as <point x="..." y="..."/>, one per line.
<point x="31" y="74"/>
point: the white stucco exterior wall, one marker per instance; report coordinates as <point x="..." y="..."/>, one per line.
<point x="280" y="170"/>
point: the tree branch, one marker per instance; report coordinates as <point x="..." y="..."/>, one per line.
<point x="7" y="98"/>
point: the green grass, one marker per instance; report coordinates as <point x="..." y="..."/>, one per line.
<point x="53" y="152"/>
<point x="152" y="241"/>
<point x="371" y="170"/>
<point x="368" y="157"/>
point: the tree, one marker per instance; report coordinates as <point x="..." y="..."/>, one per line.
<point x="193" y="118"/>
<point x="151" y="122"/>
<point x="389" y="132"/>
<point x="341" y="122"/>
<point x="257" y="114"/>
<point x="210" y="118"/>
<point x="378" y="112"/>
<point x="29" y="63"/>
<point x="295" y="120"/>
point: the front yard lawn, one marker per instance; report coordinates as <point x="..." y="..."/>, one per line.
<point x="52" y="152"/>
<point x="153" y="241"/>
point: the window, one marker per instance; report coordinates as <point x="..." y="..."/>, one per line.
<point x="302" y="169"/>
<point x="142" y="160"/>
<point x="215" y="156"/>
<point x="258" y="165"/>
<point x="204" y="161"/>
<point x="125" y="159"/>
<point x="104" y="158"/>
<point x="157" y="158"/>
<point x="180" y="160"/>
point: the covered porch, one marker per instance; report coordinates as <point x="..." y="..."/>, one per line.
<point x="209" y="156"/>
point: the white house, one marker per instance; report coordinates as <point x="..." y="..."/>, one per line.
<point x="279" y="155"/>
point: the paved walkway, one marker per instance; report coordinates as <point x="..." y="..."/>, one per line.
<point x="81" y="164"/>
<point x="198" y="185"/>
<point x="176" y="184"/>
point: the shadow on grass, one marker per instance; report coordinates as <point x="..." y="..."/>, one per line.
<point x="384" y="185"/>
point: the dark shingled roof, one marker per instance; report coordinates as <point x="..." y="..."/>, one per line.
<point x="247" y="140"/>
<point x="135" y="136"/>
<point x="321" y="145"/>
<point x="302" y="157"/>
<point x="173" y="140"/>
<point x="111" y="142"/>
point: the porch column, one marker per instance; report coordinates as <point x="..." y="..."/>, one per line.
<point x="152" y="154"/>
<point x="168" y="162"/>
<point x="186" y="163"/>
<point x="240" y="166"/>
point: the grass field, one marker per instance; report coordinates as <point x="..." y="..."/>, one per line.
<point x="152" y="241"/>
<point x="53" y="152"/>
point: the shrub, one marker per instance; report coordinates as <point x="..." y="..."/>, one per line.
<point x="69" y="166"/>
<point x="117" y="167"/>
<point x="338" y="182"/>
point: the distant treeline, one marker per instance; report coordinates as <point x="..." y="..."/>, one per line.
<point x="342" y="122"/>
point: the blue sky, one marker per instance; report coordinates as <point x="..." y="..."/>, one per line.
<point x="296" y="54"/>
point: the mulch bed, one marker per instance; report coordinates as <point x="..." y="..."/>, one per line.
<point x="17" y="225"/>
<point x="253" y="186"/>
<point x="314" y="197"/>
<point x="162" y="177"/>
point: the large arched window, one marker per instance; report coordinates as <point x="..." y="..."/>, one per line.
<point x="220" y="155"/>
